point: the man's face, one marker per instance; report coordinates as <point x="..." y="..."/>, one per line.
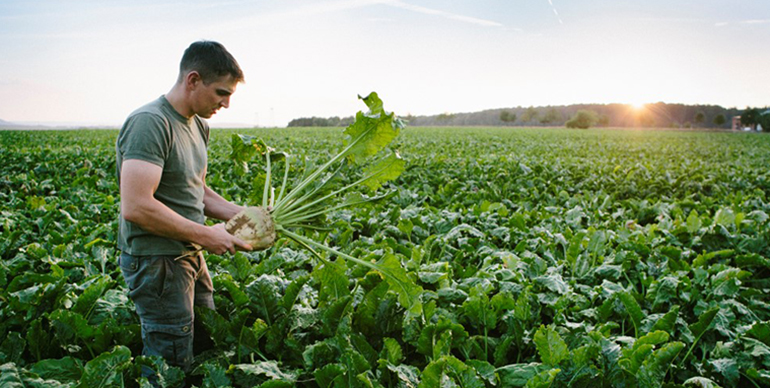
<point x="208" y="99"/>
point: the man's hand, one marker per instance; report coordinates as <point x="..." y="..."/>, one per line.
<point x="218" y="241"/>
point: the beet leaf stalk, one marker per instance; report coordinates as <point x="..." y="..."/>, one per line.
<point x="315" y="195"/>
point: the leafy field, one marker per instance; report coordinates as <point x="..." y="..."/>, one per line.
<point x="547" y="257"/>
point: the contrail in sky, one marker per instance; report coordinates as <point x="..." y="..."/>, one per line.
<point x="318" y="8"/>
<point x="555" y="12"/>
<point x="448" y="15"/>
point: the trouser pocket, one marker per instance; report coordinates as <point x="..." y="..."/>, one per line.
<point x="173" y="342"/>
<point x="148" y="278"/>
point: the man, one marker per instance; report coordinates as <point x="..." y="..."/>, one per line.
<point x="161" y="166"/>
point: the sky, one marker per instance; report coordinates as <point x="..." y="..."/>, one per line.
<point x="92" y="62"/>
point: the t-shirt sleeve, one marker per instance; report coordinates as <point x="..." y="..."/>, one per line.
<point x="146" y="137"/>
<point x="203" y="126"/>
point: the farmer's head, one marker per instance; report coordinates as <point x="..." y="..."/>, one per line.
<point x="211" y="61"/>
<point x="209" y="74"/>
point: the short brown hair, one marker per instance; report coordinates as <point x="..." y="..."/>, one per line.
<point x="211" y="60"/>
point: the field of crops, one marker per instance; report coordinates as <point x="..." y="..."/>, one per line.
<point x="546" y="258"/>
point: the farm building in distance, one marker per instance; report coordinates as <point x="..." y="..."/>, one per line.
<point x="736" y="123"/>
<point x="738" y="126"/>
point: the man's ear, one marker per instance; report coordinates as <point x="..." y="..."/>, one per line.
<point x="192" y="79"/>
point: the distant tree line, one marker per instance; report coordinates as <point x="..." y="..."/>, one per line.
<point x="659" y="115"/>
<point x="321" y="122"/>
<point x="606" y="115"/>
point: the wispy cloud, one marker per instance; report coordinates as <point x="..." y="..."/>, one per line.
<point x="672" y="20"/>
<point x="293" y="13"/>
<point x="744" y="22"/>
<point x="49" y="36"/>
<point x="555" y="12"/>
<point x="756" y="21"/>
<point x="381" y="20"/>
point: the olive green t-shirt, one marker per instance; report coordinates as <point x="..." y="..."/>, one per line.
<point x="158" y="134"/>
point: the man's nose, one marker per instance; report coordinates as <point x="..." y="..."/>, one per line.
<point x="225" y="103"/>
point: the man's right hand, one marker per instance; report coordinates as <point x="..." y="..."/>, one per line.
<point x="216" y="240"/>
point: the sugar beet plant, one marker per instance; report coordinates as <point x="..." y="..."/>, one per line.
<point x="304" y="207"/>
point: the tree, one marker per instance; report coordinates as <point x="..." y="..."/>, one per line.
<point x="529" y="115"/>
<point x="764" y="121"/>
<point x="647" y="119"/>
<point x="720" y="120"/>
<point x="445" y="117"/>
<point x="604" y="120"/>
<point x="583" y="119"/>
<point x="699" y="118"/>
<point x="507" y="117"/>
<point x="750" y="117"/>
<point x="551" y="116"/>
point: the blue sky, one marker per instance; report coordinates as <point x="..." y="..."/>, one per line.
<point x="93" y="62"/>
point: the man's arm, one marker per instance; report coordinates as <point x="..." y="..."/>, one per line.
<point x="215" y="206"/>
<point x="138" y="182"/>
